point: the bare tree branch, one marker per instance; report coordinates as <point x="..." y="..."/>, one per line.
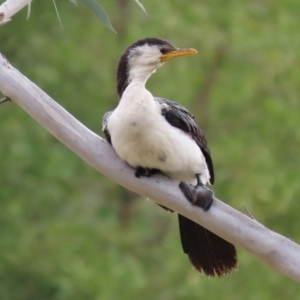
<point x="10" y="8"/>
<point x="274" y="250"/>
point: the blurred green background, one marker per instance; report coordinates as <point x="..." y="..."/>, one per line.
<point x="67" y="232"/>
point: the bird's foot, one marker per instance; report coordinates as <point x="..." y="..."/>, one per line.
<point x="145" y="172"/>
<point x="5" y="99"/>
<point x="198" y="195"/>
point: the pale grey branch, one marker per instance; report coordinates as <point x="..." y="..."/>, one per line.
<point x="11" y="7"/>
<point x="276" y="251"/>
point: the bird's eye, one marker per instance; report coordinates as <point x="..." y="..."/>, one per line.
<point x="164" y="50"/>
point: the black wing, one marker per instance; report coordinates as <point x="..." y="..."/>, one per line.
<point x="180" y="117"/>
<point x="104" y="126"/>
<point x="207" y="252"/>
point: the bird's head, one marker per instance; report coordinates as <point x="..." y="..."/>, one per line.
<point x="143" y="57"/>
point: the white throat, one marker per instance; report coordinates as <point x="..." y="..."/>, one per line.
<point x="141" y="73"/>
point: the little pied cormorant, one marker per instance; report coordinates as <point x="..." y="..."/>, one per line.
<point x="157" y="135"/>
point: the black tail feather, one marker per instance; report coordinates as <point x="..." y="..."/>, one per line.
<point x="207" y="252"/>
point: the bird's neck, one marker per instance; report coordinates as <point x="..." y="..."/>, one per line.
<point x="136" y="98"/>
<point x="137" y="76"/>
<point x="141" y="73"/>
<point x="136" y="94"/>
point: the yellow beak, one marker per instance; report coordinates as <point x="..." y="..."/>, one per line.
<point x="177" y="53"/>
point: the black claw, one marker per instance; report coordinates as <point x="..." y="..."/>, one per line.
<point x="198" y="195"/>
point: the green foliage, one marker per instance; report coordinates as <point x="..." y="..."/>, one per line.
<point x="66" y="232"/>
<point x="100" y="12"/>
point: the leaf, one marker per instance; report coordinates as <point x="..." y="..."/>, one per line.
<point x="29" y="10"/>
<point x="100" y="12"/>
<point x="74" y="2"/>
<point x="59" y="20"/>
<point x="141" y="6"/>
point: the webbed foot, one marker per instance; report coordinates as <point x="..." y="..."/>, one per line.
<point x="199" y="195"/>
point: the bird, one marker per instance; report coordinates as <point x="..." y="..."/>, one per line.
<point x="156" y="135"/>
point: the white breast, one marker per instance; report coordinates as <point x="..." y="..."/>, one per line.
<point x="142" y="137"/>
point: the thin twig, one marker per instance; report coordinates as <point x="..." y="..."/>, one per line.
<point x="248" y="213"/>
